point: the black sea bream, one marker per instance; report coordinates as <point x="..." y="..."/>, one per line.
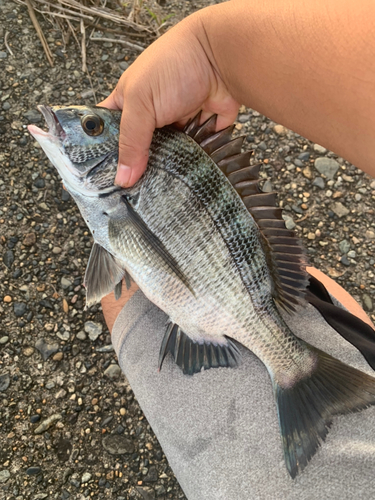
<point x="211" y="250"/>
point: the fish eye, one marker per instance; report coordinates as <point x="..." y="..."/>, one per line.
<point x="92" y="124"/>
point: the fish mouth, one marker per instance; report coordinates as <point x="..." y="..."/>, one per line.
<point x="55" y="130"/>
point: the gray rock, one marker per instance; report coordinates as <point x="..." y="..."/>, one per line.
<point x="339" y="209"/>
<point x="344" y="246"/>
<point x="65" y="283"/>
<point x="8" y="258"/>
<point x="319" y="182"/>
<point x="151" y="476"/>
<point x="19" y="309"/>
<point x="352" y="254"/>
<point x="267" y="186"/>
<point x="33" y="116"/>
<point x="81" y="335"/>
<point x="319" y="149"/>
<point x="4" y="475"/>
<point x="46" y="424"/>
<point x="3" y="55"/>
<point x="124" y="65"/>
<point x="113" y="371"/>
<point x="289" y="222"/>
<point x="86" y="477"/>
<point x="33" y="471"/>
<point x="50" y="385"/>
<point x="4" y="381"/>
<point x="304" y="156"/>
<point x="146" y="493"/>
<point x="46" y="349"/>
<point x="116" y="444"/>
<point x="367" y="302"/>
<point x="4" y="340"/>
<point x="106" y="348"/>
<point x="327" y="167"/>
<point x="93" y="330"/>
<point x="6" y="106"/>
<point x="63" y="335"/>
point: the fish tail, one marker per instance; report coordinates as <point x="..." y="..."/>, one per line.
<point x="305" y="410"/>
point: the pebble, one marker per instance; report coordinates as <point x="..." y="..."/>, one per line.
<point x="34" y="419"/>
<point x="56" y="250"/>
<point x="289" y="222"/>
<point x="116" y="444"/>
<point x="3" y="55"/>
<point x="370" y="235"/>
<point x="106" y="348"/>
<point x="152" y="475"/>
<point x="33" y="116"/>
<point x="29" y="240"/>
<point x="81" y="335"/>
<point x="4" y="381"/>
<point x="307" y="172"/>
<point x="339" y="209"/>
<point x="344" y="246"/>
<point x="4" y="340"/>
<point x="344" y="260"/>
<point x="6" y="106"/>
<point x="124" y="65"/>
<point x="65" y="283"/>
<point x="267" y="186"/>
<point x="86" y="477"/>
<point x="58" y="356"/>
<point x="33" y="471"/>
<point x="7" y="299"/>
<point x="8" y="258"/>
<point x="46" y="424"/>
<point x="93" y="330"/>
<point x="19" y="309"/>
<point x="46" y="349"/>
<point x="327" y="167"/>
<point x="113" y="371"/>
<point x="319" y="149"/>
<point x="4" y="475"/>
<point x="39" y="183"/>
<point x="146" y="493"/>
<point x="319" y="182"/>
<point x="65" y="196"/>
<point x="40" y="496"/>
<point x="63" y="335"/>
<point x="28" y="351"/>
<point x="352" y="254"/>
<point x="279" y="130"/>
<point x="367" y="302"/>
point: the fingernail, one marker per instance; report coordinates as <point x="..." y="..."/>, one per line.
<point x="123" y="175"/>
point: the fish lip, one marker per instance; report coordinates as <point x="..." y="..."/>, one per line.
<point x="53" y="124"/>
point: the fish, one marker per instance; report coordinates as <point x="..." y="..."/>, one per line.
<point x="210" y="249"/>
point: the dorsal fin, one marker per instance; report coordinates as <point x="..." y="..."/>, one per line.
<point x="284" y="252"/>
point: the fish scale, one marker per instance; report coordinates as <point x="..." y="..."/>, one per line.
<point x="212" y="251"/>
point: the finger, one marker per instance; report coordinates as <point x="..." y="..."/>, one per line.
<point x="111" y="102"/>
<point x="136" y="130"/>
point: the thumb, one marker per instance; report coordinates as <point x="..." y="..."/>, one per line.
<point x="136" y="130"/>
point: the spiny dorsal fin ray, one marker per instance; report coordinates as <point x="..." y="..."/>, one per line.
<point x="285" y="255"/>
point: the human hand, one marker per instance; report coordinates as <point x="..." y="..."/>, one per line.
<point x="169" y="83"/>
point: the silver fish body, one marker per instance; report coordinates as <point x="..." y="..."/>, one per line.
<point x="199" y="252"/>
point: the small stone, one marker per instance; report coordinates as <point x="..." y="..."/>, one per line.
<point x="319" y="149"/>
<point x="307" y="172"/>
<point x="93" y="330"/>
<point x="8" y="258"/>
<point x="106" y="348"/>
<point x="113" y="371"/>
<point x="63" y="335"/>
<point x="4" y="475"/>
<point x="319" y="182"/>
<point x="65" y="283"/>
<point x="279" y="130"/>
<point x="39" y="183"/>
<point x="116" y="444"/>
<point x="347" y="178"/>
<point x="152" y="475"/>
<point x="58" y="356"/>
<point x="289" y="222"/>
<point x="7" y="299"/>
<point x="327" y="167"/>
<point x="3" y="54"/>
<point x="33" y="471"/>
<point x="4" y="340"/>
<point x="367" y="302"/>
<point x="352" y="254"/>
<point x="40" y="496"/>
<point x="47" y="423"/>
<point x="50" y="384"/>
<point x="33" y="116"/>
<point x="311" y="236"/>
<point x="267" y="187"/>
<point x="65" y="196"/>
<point x="339" y="209"/>
<point x="337" y="194"/>
<point x="159" y="490"/>
<point x="344" y="260"/>
<point x="122" y="411"/>
<point x="46" y="349"/>
<point x="81" y="335"/>
<point x="304" y="156"/>
<point x="344" y="246"/>
<point x="4" y="381"/>
<point x="19" y="309"/>
<point x="6" y="106"/>
<point x="86" y="477"/>
<point x="123" y="65"/>
<point x="370" y="235"/>
<point x="146" y="493"/>
<point x="28" y="351"/>
<point x="34" y="419"/>
<point x="29" y="240"/>
<point x="56" y="250"/>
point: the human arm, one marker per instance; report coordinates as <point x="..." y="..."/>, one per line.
<point x="307" y="65"/>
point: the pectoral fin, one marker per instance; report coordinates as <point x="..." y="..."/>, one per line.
<point x="103" y="274"/>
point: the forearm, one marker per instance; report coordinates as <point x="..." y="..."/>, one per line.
<point x="307" y="65"/>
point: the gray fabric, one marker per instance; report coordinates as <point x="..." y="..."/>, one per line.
<point x="219" y="428"/>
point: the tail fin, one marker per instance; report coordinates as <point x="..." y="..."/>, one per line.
<point x="305" y="410"/>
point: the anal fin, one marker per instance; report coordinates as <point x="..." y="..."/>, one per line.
<point x="192" y="356"/>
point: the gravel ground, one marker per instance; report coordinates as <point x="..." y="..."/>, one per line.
<point x="70" y="425"/>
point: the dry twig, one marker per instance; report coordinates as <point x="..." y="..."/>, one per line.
<point x="36" y="24"/>
<point x="6" y="43"/>
<point x="118" y="40"/>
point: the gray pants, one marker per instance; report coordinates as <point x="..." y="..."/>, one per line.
<point x="219" y="428"/>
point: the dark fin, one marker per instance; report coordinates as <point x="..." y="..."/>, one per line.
<point x="128" y="280"/>
<point x="279" y="246"/>
<point x="191" y="356"/>
<point x="131" y="217"/>
<point x="352" y="329"/>
<point x="103" y="273"/>
<point x="118" y="290"/>
<point x="306" y="409"/>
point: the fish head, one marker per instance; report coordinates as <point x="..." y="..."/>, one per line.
<point x="82" y="144"/>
